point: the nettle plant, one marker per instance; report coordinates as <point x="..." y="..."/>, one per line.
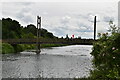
<point x="106" y="53"/>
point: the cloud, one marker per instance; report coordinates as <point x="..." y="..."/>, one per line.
<point x="0" y="10"/>
<point x="91" y="17"/>
<point x="65" y="17"/>
<point x="108" y="18"/>
<point x="45" y="13"/>
<point x="25" y="16"/>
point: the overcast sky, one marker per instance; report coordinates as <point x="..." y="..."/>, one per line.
<point x="63" y="18"/>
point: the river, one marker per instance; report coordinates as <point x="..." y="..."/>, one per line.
<point x="56" y="62"/>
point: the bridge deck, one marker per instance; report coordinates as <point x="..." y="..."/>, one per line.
<point x="48" y="41"/>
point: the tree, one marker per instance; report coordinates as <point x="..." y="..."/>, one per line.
<point x="113" y="29"/>
<point x="50" y="35"/>
<point x="9" y="27"/>
<point x="67" y="36"/>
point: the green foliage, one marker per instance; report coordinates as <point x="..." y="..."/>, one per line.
<point x="49" y="35"/>
<point x="106" y="53"/>
<point x="7" y="48"/>
<point x="22" y="47"/>
<point x="11" y="29"/>
<point x="30" y="46"/>
<point x="28" y="36"/>
<point x="113" y="28"/>
<point x="30" y="29"/>
<point x="18" y="48"/>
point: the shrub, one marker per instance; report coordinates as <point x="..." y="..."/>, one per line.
<point x="106" y="53"/>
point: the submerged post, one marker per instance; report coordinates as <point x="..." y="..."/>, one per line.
<point x="38" y="34"/>
<point x="94" y="27"/>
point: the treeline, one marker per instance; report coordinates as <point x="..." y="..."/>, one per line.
<point x="12" y="29"/>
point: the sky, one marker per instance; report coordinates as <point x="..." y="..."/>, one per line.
<point x="66" y="17"/>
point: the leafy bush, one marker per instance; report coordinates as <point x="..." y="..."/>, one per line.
<point x="106" y="53"/>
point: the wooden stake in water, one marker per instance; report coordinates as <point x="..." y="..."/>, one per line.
<point x="38" y="34"/>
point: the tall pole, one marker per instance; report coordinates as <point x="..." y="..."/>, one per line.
<point x="119" y="16"/>
<point x="94" y="27"/>
<point x="38" y="34"/>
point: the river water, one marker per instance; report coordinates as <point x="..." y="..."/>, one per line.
<point x="57" y="62"/>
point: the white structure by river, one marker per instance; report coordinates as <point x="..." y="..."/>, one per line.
<point x="56" y="62"/>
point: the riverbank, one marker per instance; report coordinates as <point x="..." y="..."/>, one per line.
<point x="8" y="48"/>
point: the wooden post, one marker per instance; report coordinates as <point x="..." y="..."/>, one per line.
<point x="38" y="34"/>
<point x="95" y="28"/>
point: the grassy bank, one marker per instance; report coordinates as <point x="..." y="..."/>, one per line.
<point x="8" y="48"/>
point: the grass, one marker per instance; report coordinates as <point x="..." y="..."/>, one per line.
<point x="8" y="48"/>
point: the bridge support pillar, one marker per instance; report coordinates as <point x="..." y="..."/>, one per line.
<point x="38" y="49"/>
<point x="38" y="34"/>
